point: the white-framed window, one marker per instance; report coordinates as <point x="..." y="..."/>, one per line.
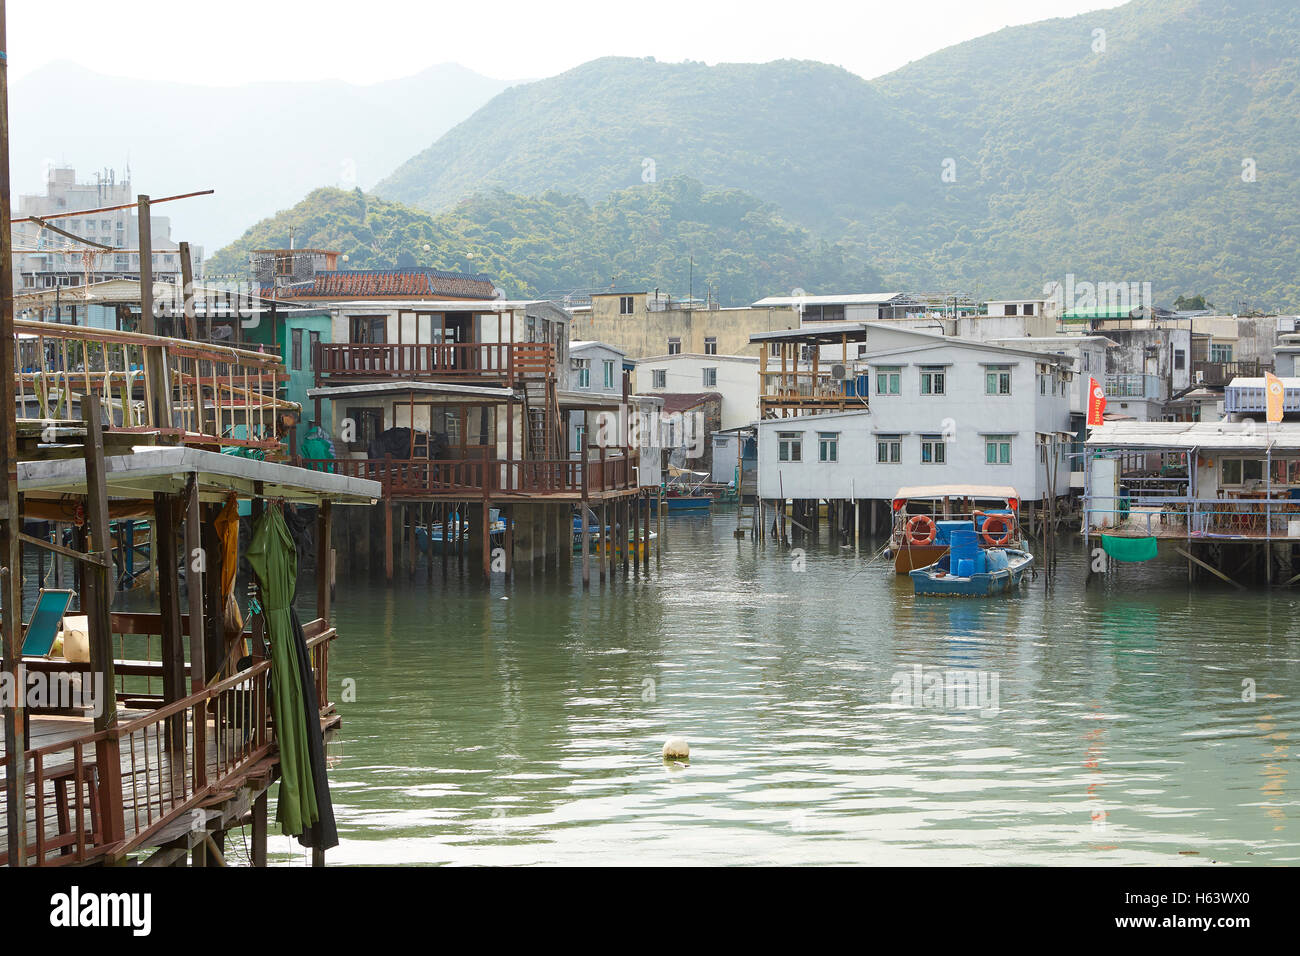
<point x="828" y="446"/>
<point x="1220" y="353"/>
<point x="889" y="380"/>
<point x="584" y="373"/>
<point x="997" y="449"/>
<point x="674" y="345"/>
<point x="625" y="305"/>
<point x="659" y="378"/>
<point x="609" y="373"/>
<point x="580" y="433"/>
<point x="710" y="378"/>
<point x="997" y="380"/>
<point x="710" y="346"/>
<point x="774" y="350"/>
<point x="789" y="446"/>
<point x="889" y="449"/>
<point x="933" y="450"/>
<point x="933" y="379"/>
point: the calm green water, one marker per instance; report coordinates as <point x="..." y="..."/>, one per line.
<point x="523" y="725"/>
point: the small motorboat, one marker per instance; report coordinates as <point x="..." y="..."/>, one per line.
<point x="989" y="572"/>
<point x="926" y="516"/>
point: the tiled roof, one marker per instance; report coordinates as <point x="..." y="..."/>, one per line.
<point x="390" y="283"/>
<point x="683" y="401"/>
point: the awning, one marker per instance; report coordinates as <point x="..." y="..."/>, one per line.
<point x="495" y="393"/>
<point x="168" y="468"/>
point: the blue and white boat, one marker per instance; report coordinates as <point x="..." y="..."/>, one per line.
<point x="990" y="571"/>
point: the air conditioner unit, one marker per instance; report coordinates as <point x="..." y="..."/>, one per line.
<point x="838" y="372"/>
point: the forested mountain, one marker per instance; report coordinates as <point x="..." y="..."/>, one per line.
<point x="640" y="237"/>
<point x="1156" y="141"/>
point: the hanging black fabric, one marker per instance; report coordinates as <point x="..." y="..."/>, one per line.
<point x="323" y="833"/>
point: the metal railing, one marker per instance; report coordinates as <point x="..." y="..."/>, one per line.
<point x="1171" y="517"/>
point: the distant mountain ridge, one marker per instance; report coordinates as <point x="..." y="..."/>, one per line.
<point x="261" y="146"/>
<point x="1158" y="141"/>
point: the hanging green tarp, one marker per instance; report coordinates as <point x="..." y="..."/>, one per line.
<point x="274" y="560"/>
<point x="1129" y="549"/>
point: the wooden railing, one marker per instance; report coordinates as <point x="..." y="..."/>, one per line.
<point x="480" y="477"/>
<point x="132" y="780"/>
<point x="506" y="362"/>
<point x="1221" y="373"/>
<point x="190" y="391"/>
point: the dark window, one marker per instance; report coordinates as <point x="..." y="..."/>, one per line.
<point x="368" y="422"/>
<point x="313" y="340"/>
<point x="1180" y="359"/>
<point x="295" y="360"/>
<point x="625" y="305"/>
<point x="1008" y="310"/>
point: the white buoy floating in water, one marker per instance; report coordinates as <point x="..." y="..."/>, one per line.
<point x="676" y="748"/>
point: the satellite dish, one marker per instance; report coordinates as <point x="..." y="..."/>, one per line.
<point x="498" y="292"/>
<point x="838" y="372"/>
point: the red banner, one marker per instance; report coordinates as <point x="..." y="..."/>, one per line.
<point x="1096" y="402"/>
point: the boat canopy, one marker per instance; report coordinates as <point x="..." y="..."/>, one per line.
<point x="928" y="492"/>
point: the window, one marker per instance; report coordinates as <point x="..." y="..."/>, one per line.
<point x="997" y="449"/>
<point x="584" y="373"/>
<point x="997" y="380"/>
<point x="933" y="450"/>
<point x="1042" y="384"/>
<point x="1220" y="353"/>
<point x="1009" y="309"/>
<point x="1029" y="308"/>
<point x="888" y="380"/>
<point x="828" y="446"/>
<point x="660" y="377"/>
<point x="932" y="380"/>
<point x="579" y="433"/>
<point x="296" y="352"/>
<point x="1087" y="361"/>
<point x="609" y="374"/>
<point x="674" y="346"/>
<point x="624" y="305"/>
<point x="710" y="378"/>
<point x="789" y="446"/>
<point x="313" y="347"/>
<point x="369" y="423"/>
<point x="889" y="449"/>
<point x="1180" y="360"/>
<point x="710" y="346"/>
<point x="774" y="350"/>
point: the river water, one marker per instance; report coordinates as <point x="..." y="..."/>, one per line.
<point x="1131" y="721"/>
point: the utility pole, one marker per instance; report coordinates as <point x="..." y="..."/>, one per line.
<point x="11" y="579"/>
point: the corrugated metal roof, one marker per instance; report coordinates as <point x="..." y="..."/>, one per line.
<point x="862" y="298"/>
<point x="1185" y="436"/>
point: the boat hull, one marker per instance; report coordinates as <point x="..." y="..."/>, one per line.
<point x="912" y="557"/>
<point x="936" y="580"/>
<point x="687" y="503"/>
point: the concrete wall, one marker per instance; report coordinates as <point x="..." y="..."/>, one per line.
<point x="737" y="381"/>
<point x="646" y="332"/>
<point x="964" y="413"/>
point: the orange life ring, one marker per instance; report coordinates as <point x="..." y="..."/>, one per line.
<point x="1002" y="522"/>
<point x="929" y="530"/>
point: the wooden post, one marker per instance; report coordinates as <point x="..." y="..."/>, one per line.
<point x="96" y="597"/>
<point x="388" y="541"/>
<point x="586" y="527"/>
<point x="145" y="224"/>
<point x="258" y="849"/>
<point x="187" y="293"/>
<point x="195" y="576"/>
<point x="173" y="647"/>
<point x="10" y="518"/>
<point x="324" y="529"/>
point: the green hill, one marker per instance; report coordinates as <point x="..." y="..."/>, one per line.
<point x="643" y="236"/>
<point x="1116" y="157"/>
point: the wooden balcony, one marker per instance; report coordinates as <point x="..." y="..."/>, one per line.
<point x="91" y="795"/>
<point x="494" y="363"/>
<point x="498" y="479"/>
<point x="1221" y="373"/>
<point x="805" y="392"/>
<point x="162" y="390"/>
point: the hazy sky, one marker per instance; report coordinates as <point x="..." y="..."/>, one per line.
<point x="364" y="41"/>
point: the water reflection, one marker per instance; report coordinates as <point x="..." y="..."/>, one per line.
<point x="523" y="724"/>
